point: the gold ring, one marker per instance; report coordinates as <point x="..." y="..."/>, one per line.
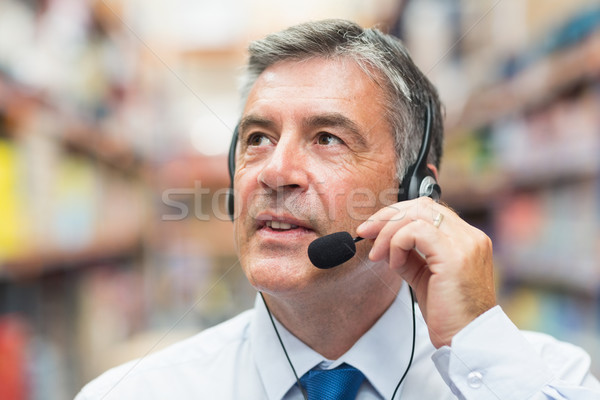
<point x="437" y="221"/>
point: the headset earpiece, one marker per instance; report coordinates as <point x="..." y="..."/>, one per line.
<point x="419" y="179"/>
<point x="231" y="166"/>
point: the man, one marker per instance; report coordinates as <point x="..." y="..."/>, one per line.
<point x="333" y="118"/>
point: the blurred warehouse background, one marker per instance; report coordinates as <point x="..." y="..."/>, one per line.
<point x="115" y="116"/>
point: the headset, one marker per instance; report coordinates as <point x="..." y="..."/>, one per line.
<point x="419" y="180"/>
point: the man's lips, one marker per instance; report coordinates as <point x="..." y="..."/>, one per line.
<point x="280" y="223"/>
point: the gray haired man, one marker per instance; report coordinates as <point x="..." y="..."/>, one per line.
<point x="333" y="112"/>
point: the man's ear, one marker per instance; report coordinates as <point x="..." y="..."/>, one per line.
<point x="434" y="169"/>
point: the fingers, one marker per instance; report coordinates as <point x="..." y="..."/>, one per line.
<point x="370" y="228"/>
<point x="417" y="237"/>
<point x="412" y="267"/>
<point x="402" y="212"/>
<point x="384" y="224"/>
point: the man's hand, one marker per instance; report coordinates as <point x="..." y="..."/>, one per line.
<point x="446" y="261"/>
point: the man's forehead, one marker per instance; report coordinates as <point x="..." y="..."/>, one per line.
<point x="317" y="91"/>
<point x="320" y="67"/>
<point x="339" y="79"/>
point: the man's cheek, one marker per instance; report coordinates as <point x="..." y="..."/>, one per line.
<point x="361" y="203"/>
<point x="252" y="200"/>
<point x="389" y="196"/>
<point x="336" y="206"/>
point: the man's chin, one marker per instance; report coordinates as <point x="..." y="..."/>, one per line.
<point x="281" y="274"/>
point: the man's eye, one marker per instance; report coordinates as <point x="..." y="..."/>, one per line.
<point x="258" y="139"/>
<point x="327" y="139"/>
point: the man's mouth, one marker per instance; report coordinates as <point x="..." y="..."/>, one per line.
<point x="280" y="226"/>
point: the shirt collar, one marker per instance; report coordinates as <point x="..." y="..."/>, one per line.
<point x="381" y="354"/>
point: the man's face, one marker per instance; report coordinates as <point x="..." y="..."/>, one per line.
<point x="315" y="154"/>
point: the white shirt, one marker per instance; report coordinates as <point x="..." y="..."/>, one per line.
<point x="242" y="359"/>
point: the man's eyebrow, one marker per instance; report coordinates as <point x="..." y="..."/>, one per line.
<point x="335" y="120"/>
<point x="253" y="120"/>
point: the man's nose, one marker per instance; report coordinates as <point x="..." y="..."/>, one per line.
<point x="286" y="167"/>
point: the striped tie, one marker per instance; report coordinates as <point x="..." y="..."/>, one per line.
<point x="341" y="383"/>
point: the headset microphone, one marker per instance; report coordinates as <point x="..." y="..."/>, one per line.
<point x="332" y="250"/>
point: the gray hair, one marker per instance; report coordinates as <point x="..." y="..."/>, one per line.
<point x="382" y="57"/>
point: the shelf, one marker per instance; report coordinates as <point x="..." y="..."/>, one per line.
<point x="77" y="192"/>
<point x="556" y="277"/>
<point x="49" y="261"/>
<point x="533" y="87"/>
<point x="19" y="103"/>
<point x="190" y="170"/>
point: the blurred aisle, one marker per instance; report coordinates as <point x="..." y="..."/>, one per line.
<point x="115" y="116"/>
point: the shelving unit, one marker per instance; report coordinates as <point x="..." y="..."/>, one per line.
<point x="96" y="115"/>
<point x="59" y="168"/>
<point x="527" y="146"/>
<point x="75" y="195"/>
<point x="496" y="113"/>
<point x="536" y="85"/>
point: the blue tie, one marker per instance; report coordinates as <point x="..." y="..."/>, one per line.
<point x="341" y="383"/>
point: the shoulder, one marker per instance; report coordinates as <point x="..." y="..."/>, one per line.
<point x="182" y="363"/>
